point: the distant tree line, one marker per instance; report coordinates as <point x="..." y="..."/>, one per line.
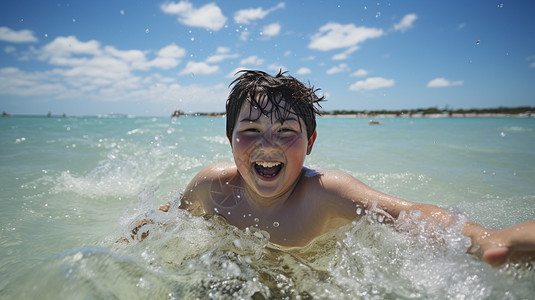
<point x="435" y="110"/>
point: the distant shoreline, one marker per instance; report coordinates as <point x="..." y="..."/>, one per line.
<point x="500" y="112"/>
<point x="429" y="116"/>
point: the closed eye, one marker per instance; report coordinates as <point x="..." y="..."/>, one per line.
<point x="283" y="130"/>
<point x="253" y="130"/>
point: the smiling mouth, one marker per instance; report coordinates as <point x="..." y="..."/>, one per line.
<point x="268" y="169"/>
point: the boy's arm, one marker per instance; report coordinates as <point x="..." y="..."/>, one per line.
<point x="494" y="246"/>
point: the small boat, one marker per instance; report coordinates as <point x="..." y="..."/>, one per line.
<point x="374" y="122"/>
<point x="177" y="113"/>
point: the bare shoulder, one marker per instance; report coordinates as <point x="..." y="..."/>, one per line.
<point x="205" y="182"/>
<point x="329" y="186"/>
<point x="343" y="187"/>
<point x="333" y="181"/>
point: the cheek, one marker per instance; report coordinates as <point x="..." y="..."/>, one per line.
<point x="290" y="142"/>
<point x="242" y="143"/>
<point x="241" y="149"/>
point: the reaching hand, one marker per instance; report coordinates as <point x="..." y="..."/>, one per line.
<point x="510" y="244"/>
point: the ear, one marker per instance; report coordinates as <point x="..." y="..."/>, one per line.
<point x="311" y="142"/>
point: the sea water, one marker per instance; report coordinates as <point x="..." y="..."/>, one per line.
<point x="72" y="189"/>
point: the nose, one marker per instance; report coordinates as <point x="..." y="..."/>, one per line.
<point x="268" y="140"/>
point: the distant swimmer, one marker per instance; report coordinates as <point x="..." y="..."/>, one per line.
<point x="374" y="122"/>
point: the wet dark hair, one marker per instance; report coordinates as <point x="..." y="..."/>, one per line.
<point x="252" y="85"/>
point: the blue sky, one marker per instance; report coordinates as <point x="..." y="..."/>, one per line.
<point x="149" y="58"/>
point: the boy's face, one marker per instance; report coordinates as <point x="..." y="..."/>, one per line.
<point x="269" y="153"/>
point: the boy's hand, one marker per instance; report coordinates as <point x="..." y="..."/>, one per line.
<point x="138" y="226"/>
<point x="513" y="243"/>
<point x="141" y="223"/>
<point x="165" y="207"/>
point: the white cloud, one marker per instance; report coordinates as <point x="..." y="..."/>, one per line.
<point x="337" y="36"/>
<point x="338" y="69"/>
<point x="406" y="23"/>
<point x="208" y="16"/>
<point x="9" y="49"/>
<point x="372" y="83"/>
<point x="14" y="81"/>
<point x="245" y="16"/>
<point x="461" y="26"/>
<point x="359" y="73"/>
<point x="168" y="57"/>
<point x="532" y="64"/>
<point x="70" y="52"/>
<point x="89" y="72"/>
<point x="12" y="36"/>
<point x="172" y="51"/>
<point x="222" y="53"/>
<point x="271" y="29"/>
<point x="303" y="71"/>
<point x="68" y="46"/>
<point x="443" y="82"/>
<point x="252" y="60"/>
<point x="199" y="68"/>
<point x="345" y="54"/>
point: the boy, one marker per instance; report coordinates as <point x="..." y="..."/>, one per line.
<point x="271" y="127"/>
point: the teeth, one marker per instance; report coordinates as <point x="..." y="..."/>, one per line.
<point x="268" y="164"/>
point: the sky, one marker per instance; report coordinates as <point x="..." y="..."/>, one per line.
<point x="148" y="58"/>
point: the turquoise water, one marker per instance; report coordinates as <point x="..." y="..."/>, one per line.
<point x="72" y="187"/>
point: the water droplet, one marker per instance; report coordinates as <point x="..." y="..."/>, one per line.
<point x="477" y="42"/>
<point x="502" y="134"/>
<point x="359" y="211"/>
<point x="122" y="12"/>
<point x="380" y="219"/>
<point x="378" y="14"/>
<point x="192" y="39"/>
<point x="216" y="210"/>
<point x="275" y="224"/>
<point x="224" y="173"/>
<point x="74" y="20"/>
<point x="146" y="30"/>
<point x="256" y="220"/>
